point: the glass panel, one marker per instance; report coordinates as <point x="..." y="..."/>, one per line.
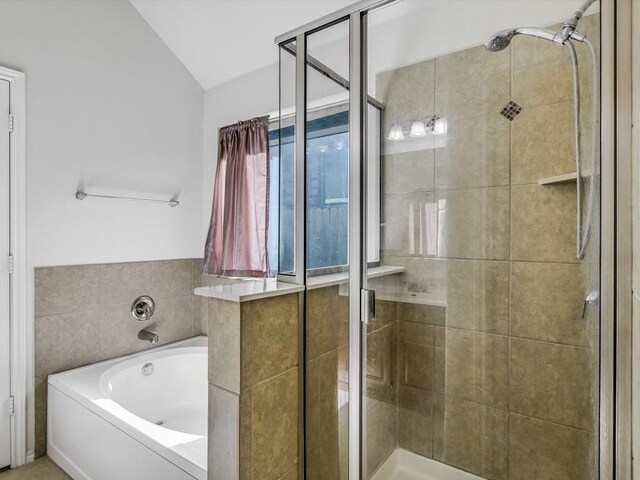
<point x="484" y="354"/>
<point x="327" y="209"/>
<point x="282" y="225"/>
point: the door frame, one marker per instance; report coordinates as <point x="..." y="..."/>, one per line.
<point x="21" y="368"/>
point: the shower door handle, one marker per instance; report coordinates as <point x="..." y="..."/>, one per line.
<point x="367" y="305"/>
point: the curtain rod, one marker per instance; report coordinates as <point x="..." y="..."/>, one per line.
<point x="83" y="195"/>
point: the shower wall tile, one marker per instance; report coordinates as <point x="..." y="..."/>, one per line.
<point x="415" y="432"/>
<point x="547" y="301"/>
<point x="478" y="295"/>
<point x="275" y="426"/>
<point x="409" y="224"/>
<point x="539" y="449"/>
<point x="381" y="364"/>
<point x="327" y="321"/>
<point x="476" y="153"/>
<point x="83" y="315"/>
<point x="543" y="84"/>
<point x="476" y="223"/>
<point x="472" y="82"/>
<point x="381" y="433"/>
<point x="408" y="172"/>
<point x="552" y="382"/>
<point x="543" y="223"/>
<point x="542" y="143"/>
<point x="41" y="391"/>
<point x="274" y="335"/>
<point x="322" y="393"/>
<point x="477" y="367"/>
<point x="66" y="289"/>
<point x="66" y="341"/>
<point x="407" y="93"/>
<point x="471" y="436"/>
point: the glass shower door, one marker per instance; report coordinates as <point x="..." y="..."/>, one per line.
<point x="483" y="357"/>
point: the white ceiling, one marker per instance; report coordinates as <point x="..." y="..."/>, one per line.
<point x="219" y="40"/>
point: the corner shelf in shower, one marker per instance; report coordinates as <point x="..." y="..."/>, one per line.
<point x="564" y="178"/>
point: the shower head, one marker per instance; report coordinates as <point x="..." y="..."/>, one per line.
<point x="501" y="40"/>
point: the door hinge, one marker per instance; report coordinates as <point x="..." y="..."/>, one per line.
<point x="11" y="264"/>
<point x="12" y="406"/>
<point x="11" y="122"/>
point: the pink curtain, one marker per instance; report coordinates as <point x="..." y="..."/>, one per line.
<point x="237" y="239"/>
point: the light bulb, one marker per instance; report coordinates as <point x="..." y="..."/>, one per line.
<point x="440" y="127"/>
<point x="396" y="133"/>
<point x="418" y="129"/>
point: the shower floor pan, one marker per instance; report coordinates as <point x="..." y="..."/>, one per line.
<point x="405" y="465"/>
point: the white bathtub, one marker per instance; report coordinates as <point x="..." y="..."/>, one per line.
<point x="110" y="421"/>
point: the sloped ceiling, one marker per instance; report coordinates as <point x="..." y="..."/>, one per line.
<point x="219" y="40"/>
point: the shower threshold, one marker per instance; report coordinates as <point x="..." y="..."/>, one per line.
<point x="405" y="465"/>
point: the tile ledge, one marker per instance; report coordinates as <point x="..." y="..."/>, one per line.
<point x="248" y="290"/>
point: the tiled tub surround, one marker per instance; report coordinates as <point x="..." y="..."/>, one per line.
<point x="502" y="381"/>
<point x="83" y="315"/>
<point x="253" y="388"/>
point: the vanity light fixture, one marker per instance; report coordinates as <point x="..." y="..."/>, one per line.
<point x="418" y="129"/>
<point x="396" y="133"/>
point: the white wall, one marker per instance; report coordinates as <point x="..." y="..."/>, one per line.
<point x="109" y="107"/>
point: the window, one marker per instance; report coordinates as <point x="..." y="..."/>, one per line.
<point x="327" y="189"/>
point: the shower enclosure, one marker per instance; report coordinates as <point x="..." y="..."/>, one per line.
<point x="439" y="195"/>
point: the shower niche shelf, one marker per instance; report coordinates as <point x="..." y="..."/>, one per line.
<point x="564" y="178"/>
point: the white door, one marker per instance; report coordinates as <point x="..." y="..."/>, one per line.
<point x="5" y="389"/>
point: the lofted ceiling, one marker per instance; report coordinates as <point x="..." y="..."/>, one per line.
<point x="219" y="40"/>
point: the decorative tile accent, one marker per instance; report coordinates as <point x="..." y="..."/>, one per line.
<point x="511" y="110"/>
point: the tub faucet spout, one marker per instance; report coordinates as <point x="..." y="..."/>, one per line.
<point x="148" y="336"/>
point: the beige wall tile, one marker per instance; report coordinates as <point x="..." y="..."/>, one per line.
<point x="201" y="315"/>
<point x="41" y="387"/>
<point x="477" y="367"/>
<point x="543" y="223"/>
<point x="415" y="430"/>
<point x="542" y="143"/>
<point x="546" y="302"/>
<point x="66" y="341"/>
<point x="476" y="223"/>
<point x="532" y="85"/>
<point x="275" y="426"/>
<point x="476" y="154"/>
<point x="405" y="230"/>
<point x="416" y="365"/>
<point x="65" y="289"/>
<point x="478" y="295"/>
<point x="417" y="332"/>
<point x="274" y="335"/>
<point x="322" y="398"/>
<point x="224" y="433"/>
<point x="544" y="450"/>
<point x="381" y="433"/>
<point x="170" y="278"/>
<point x="123" y="282"/>
<point x="381" y="364"/>
<point x="408" y="172"/>
<point x="416" y="313"/>
<point x="172" y="321"/>
<point x="472" y="82"/>
<point x="327" y="320"/>
<point x="246" y="434"/>
<point x="552" y="382"/>
<point x="471" y="436"/>
<point x="407" y="93"/>
<point x="386" y="314"/>
<point x="416" y="399"/>
<point x="224" y="344"/>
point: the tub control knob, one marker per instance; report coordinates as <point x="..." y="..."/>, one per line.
<point x="142" y="308"/>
